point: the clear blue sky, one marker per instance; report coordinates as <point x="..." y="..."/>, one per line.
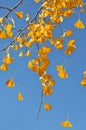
<point x="69" y="97"/>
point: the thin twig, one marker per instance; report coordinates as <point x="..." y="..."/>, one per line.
<point x="1" y="7"/>
<point x="40" y="104"/>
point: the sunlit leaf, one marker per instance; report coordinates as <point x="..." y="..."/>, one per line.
<point x="79" y="24"/>
<point x="66" y="124"/>
<point x="20" y="97"/>
<point x="19" y="14"/>
<point x="70" y="50"/>
<point x="10" y="83"/>
<point x="47" y="106"/>
<point x="83" y="81"/>
<point x="8" y="60"/>
<point x="63" y="74"/>
<point x="4" y="67"/>
<point x="1" y="20"/>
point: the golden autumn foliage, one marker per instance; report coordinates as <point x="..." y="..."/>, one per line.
<point x="43" y="33"/>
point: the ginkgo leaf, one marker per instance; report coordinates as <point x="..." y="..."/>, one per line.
<point x="36" y="0"/>
<point x="1" y="20"/>
<point x="19" y="14"/>
<point x="15" y="47"/>
<point x="83" y="81"/>
<point x="2" y="34"/>
<point x="20" y="97"/>
<point x="70" y="50"/>
<point x="27" y="17"/>
<point x="63" y="74"/>
<point x="79" y="24"/>
<point x="4" y="67"/>
<point x="47" y="90"/>
<point x="69" y="32"/>
<point x="84" y="72"/>
<point x="71" y="42"/>
<point x="66" y="124"/>
<point x="8" y="59"/>
<point x="21" y="54"/>
<point x="47" y="106"/>
<point x="8" y="27"/>
<point x="59" y="67"/>
<point x="28" y="53"/>
<point x="10" y="83"/>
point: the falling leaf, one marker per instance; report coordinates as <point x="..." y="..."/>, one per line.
<point x="66" y="124"/>
<point x="20" y="97"/>
<point x="10" y="83"/>
<point x="79" y="24"/>
<point x="19" y="14"/>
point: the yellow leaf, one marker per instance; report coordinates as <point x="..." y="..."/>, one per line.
<point x="4" y="67"/>
<point x="19" y="14"/>
<point x="8" y="27"/>
<point x="69" y="32"/>
<point x="47" y="90"/>
<point x="83" y="81"/>
<point x="21" y="54"/>
<point x="84" y="72"/>
<point x="70" y="50"/>
<point x="70" y="43"/>
<point x="63" y="74"/>
<point x="79" y="24"/>
<point x="1" y="20"/>
<point x="59" y="67"/>
<point x="2" y="34"/>
<point x="28" y="53"/>
<point x="66" y="124"/>
<point x="15" y="47"/>
<point x="20" y="97"/>
<point x="7" y="60"/>
<point x="10" y="83"/>
<point x="36" y="0"/>
<point x="47" y="106"/>
<point x="27" y="17"/>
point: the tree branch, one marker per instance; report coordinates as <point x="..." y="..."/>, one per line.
<point x="23" y="29"/>
<point x="13" y="8"/>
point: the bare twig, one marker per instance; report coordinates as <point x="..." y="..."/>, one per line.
<point x="1" y="7"/>
<point x="40" y="104"/>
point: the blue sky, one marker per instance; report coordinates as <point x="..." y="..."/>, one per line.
<point x="69" y="97"/>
